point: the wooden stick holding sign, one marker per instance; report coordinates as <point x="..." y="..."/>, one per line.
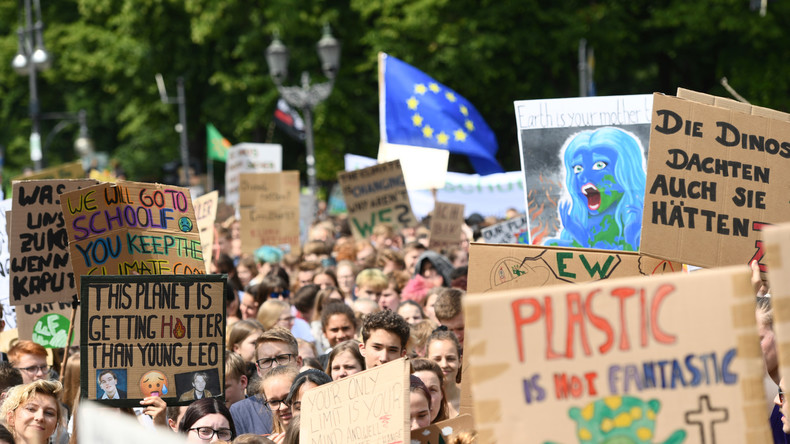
<point x="152" y="336"/>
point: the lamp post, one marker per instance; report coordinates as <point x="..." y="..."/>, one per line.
<point x="181" y="128"/>
<point x="31" y="56"/>
<point x="306" y="97"/>
<point x="83" y="145"/>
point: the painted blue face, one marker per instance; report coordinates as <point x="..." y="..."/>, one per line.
<point x="594" y="180"/>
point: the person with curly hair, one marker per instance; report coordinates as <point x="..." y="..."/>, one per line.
<point x="384" y="338"/>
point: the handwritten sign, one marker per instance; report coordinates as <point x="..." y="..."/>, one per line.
<point x="71" y="170"/>
<point x="511" y="231"/>
<point x="776" y="241"/>
<point x="132" y="228"/>
<point x="717" y="174"/>
<point x="619" y="358"/>
<point x="370" y="406"/>
<point x="269" y="210"/>
<point x="41" y="268"/>
<point x="439" y="432"/>
<point x="206" y="214"/>
<point x="376" y="194"/>
<point x="446" y="222"/>
<point x="249" y="158"/>
<point x="504" y="267"/>
<point x="47" y="323"/>
<point x="9" y="315"/>
<point x="157" y="335"/>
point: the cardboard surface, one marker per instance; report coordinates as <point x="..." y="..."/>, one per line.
<point x="584" y="169"/>
<point x="9" y="315"/>
<point x="623" y="358"/>
<point x="132" y="228"/>
<point x="48" y="323"/>
<point x="715" y="177"/>
<point x="98" y="424"/>
<point x="446" y="222"/>
<point x="269" y="210"/>
<point x="370" y="406"/>
<point x="249" y="158"/>
<point x="423" y="168"/>
<point x="71" y="170"/>
<point x="155" y="333"/>
<point x="41" y="266"/>
<point x="376" y="194"/>
<point x="439" y="432"/>
<point x="512" y="231"/>
<point x="206" y="214"/>
<point x="504" y="267"/>
<point x="776" y="240"/>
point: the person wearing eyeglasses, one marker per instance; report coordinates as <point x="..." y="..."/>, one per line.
<point x="207" y="420"/>
<point x="276" y="385"/>
<point x="277" y="347"/>
<point x="31" y="360"/>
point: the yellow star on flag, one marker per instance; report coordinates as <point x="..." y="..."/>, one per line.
<point x="420" y="88"/>
<point x="427" y="131"/>
<point x="464" y="110"/>
<point x="442" y="138"/>
<point x="460" y="135"/>
<point x="412" y="103"/>
<point x="433" y="87"/>
<point x="469" y="125"/>
<point x="416" y="119"/>
<point x="450" y="96"/>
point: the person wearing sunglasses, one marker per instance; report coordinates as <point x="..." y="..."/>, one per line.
<point x="207" y="420"/>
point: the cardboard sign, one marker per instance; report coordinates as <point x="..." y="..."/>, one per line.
<point x="504" y="267"/>
<point x="269" y="210"/>
<point x="206" y="214"/>
<point x="370" y="406"/>
<point x="132" y="228"/>
<point x="376" y="194"/>
<point x="48" y="324"/>
<point x="583" y="161"/>
<point x="9" y="316"/>
<point x="71" y="170"/>
<point x="716" y="177"/>
<point x="511" y="231"/>
<point x="423" y="168"/>
<point x="776" y="243"/>
<point x="439" y="432"/>
<point x="446" y="222"/>
<point x="41" y="267"/>
<point x="619" y="360"/>
<point x="155" y="335"/>
<point x="249" y="158"/>
<point x="98" y="424"/>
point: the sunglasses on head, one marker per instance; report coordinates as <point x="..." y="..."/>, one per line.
<point x="279" y="294"/>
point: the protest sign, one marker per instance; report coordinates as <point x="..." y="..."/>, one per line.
<point x="619" y="360"/>
<point x="205" y="214"/>
<point x="716" y="176"/>
<point x="269" y="210"/>
<point x="156" y="335"/>
<point x="511" y="231"/>
<point x="9" y="315"/>
<point x="48" y="323"/>
<point x="98" y="424"/>
<point x="41" y="267"/>
<point x="439" y="432"/>
<point x="776" y="244"/>
<point x="504" y="267"/>
<point x="132" y="228"/>
<point x="446" y="222"/>
<point x="584" y="170"/>
<point x="72" y="170"/>
<point x="370" y="406"/>
<point x="423" y="168"/>
<point x="374" y="195"/>
<point x="249" y="158"/>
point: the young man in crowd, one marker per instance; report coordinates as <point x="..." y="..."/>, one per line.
<point x="371" y="282"/>
<point x="384" y="338"/>
<point x="276" y="347"/>
<point x="30" y="359"/>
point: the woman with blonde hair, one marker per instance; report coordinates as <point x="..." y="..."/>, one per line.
<point x="32" y="411"/>
<point x="276" y="312"/>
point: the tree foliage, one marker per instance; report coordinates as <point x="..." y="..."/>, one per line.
<point x="107" y="53"/>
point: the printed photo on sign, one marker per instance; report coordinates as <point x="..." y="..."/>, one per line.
<point x="197" y="385"/>
<point x="111" y="383"/>
<point x="584" y="166"/>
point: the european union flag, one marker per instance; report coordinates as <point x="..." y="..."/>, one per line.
<point x="419" y="111"/>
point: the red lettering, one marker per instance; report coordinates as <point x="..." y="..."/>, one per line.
<point x="599" y="323"/>
<point x="758" y="244"/>
<point x="658" y="334"/>
<point x="550" y="353"/>
<point x="522" y="321"/>
<point x="642" y="318"/>
<point x="622" y="294"/>
<point x="575" y="316"/>
<point x="590" y="377"/>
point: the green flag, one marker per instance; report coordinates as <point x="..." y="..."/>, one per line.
<point x="217" y="145"/>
